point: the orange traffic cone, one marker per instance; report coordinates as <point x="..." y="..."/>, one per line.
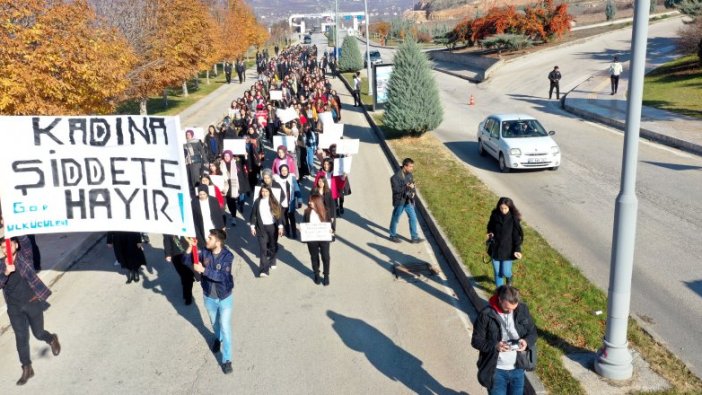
<point x="472" y="101"/>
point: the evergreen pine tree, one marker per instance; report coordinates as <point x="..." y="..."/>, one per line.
<point x="413" y="105"/>
<point x="350" y="59"/>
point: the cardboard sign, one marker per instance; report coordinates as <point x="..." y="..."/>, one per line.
<point x="218" y="180"/>
<point x="199" y="133"/>
<point x="342" y="166"/>
<point x="94" y="174"/>
<point x="336" y="129"/>
<point x="286" y="115"/>
<point x="348" y="146"/>
<point x="276" y="94"/>
<point x="237" y="146"/>
<point x="287" y="141"/>
<point x="326" y="140"/>
<point x="315" y="232"/>
<point x="325" y="118"/>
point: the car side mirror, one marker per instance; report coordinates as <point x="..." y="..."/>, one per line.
<point x="551" y="133"/>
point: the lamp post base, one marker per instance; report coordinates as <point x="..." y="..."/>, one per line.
<point x="614" y="363"/>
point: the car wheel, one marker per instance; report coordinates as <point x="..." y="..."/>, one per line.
<point x="503" y="164"/>
<point x="481" y="149"/>
<point x="554" y="168"/>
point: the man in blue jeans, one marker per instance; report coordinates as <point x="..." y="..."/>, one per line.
<point x="215" y="270"/>
<point x="503" y="328"/>
<point x="403" y="192"/>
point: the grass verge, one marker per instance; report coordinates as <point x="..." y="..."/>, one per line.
<point x="176" y="101"/>
<point x="560" y="298"/>
<point x="675" y="87"/>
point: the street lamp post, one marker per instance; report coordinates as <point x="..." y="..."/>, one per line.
<point x="336" y="33"/>
<point x="614" y="360"/>
<point x="368" y="60"/>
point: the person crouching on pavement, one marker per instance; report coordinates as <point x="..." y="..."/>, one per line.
<point x="25" y="296"/>
<point x="215" y="271"/>
<point x="502" y="328"/>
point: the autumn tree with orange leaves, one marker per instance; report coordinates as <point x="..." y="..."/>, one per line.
<point x="57" y="58"/>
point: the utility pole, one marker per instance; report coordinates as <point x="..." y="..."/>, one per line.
<point x="368" y="60"/>
<point x="336" y="34"/>
<point x="614" y="359"/>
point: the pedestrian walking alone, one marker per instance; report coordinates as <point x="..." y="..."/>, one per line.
<point x="505" y="230"/>
<point x="316" y="213"/>
<point x="615" y="70"/>
<point x="403" y="193"/>
<point x="267" y="225"/>
<point x="215" y="271"/>
<point x="554" y="78"/>
<point x="503" y="329"/>
<point x="25" y="296"/>
<point x="174" y="247"/>
<point x="228" y="72"/>
<point x="357" y="89"/>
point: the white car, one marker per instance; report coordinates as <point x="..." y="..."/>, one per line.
<point x="518" y="141"/>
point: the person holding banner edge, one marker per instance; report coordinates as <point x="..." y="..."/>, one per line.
<point x="25" y="295"/>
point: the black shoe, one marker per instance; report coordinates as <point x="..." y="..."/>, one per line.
<point x="55" y="345"/>
<point x="341" y="210"/>
<point x="395" y="239"/>
<point x="215" y="345"/>
<point x="135" y="276"/>
<point x="188" y="301"/>
<point x="129" y="278"/>
<point x="417" y="240"/>
<point x="27" y="373"/>
<point x="227" y="367"/>
<point x="316" y="279"/>
<point x="326" y="280"/>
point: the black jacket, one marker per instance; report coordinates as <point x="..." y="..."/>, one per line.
<point x="174" y="245"/>
<point x="487" y="333"/>
<point x="507" y="233"/>
<point x="554" y="76"/>
<point x="216" y="215"/>
<point x="400" y="190"/>
<point x="255" y="218"/>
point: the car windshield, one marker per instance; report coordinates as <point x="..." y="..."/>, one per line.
<point x="523" y="128"/>
<point x="375" y="55"/>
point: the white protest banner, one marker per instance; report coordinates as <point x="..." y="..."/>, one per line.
<point x="199" y="133"/>
<point x="315" y="232"/>
<point x="286" y="115"/>
<point x="277" y="193"/>
<point x="276" y="94"/>
<point x="287" y="141"/>
<point x="237" y="146"/>
<point x="325" y="118"/>
<point x="347" y="146"/>
<point x="94" y="173"/>
<point x="325" y="140"/>
<point x="342" y="166"/>
<point x="336" y="129"/>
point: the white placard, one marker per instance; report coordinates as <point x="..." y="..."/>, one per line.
<point x="276" y="94"/>
<point x="286" y="115"/>
<point x="237" y="146"/>
<point x="342" y="166"/>
<point x="287" y="141"/>
<point x="348" y="146"/>
<point x="325" y="140"/>
<point x="321" y="231"/>
<point x="199" y="133"/>
<point x="94" y="174"/>
<point x="218" y="180"/>
<point x="334" y="128"/>
<point x="277" y="193"/>
<point x="325" y="118"/>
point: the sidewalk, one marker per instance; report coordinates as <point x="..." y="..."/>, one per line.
<point x="592" y="100"/>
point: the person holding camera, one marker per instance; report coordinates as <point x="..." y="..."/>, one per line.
<point x="403" y="193"/>
<point x="502" y="333"/>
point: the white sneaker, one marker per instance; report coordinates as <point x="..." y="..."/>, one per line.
<point x="263" y="275"/>
<point x="274" y="266"/>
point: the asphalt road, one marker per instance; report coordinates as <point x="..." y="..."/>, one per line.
<point x="574" y="207"/>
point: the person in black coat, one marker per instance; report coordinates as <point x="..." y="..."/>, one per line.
<point x="554" y="78"/>
<point x="266" y="222"/>
<point x="316" y="212"/>
<point x="129" y="252"/>
<point x="207" y="215"/>
<point x="174" y="247"/>
<point x="503" y="328"/>
<point x="322" y="189"/>
<point x="505" y="230"/>
<point x="228" y="72"/>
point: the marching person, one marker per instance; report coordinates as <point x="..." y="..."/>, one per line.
<point x="505" y="229"/>
<point x="503" y="328"/>
<point x="554" y="78"/>
<point x="615" y="70"/>
<point x="195" y="157"/>
<point x="266" y="225"/>
<point x="215" y="271"/>
<point x="129" y="252"/>
<point x="237" y="184"/>
<point x="321" y="188"/>
<point x="25" y="296"/>
<point x="291" y="195"/>
<point x="317" y="213"/>
<point x="403" y="192"/>
<point x="336" y="183"/>
<point x="174" y="247"/>
<point x="207" y="214"/>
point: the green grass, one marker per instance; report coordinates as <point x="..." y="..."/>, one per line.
<point x="676" y="86"/>
<point x="176" y="101"/>
<point x="365" y="99"/>
<point x="560" y="298"/>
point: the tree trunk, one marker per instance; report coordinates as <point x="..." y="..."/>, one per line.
<point x="197" y="82"/>
<point x="207" y="76"/>
<point x="142" y="107"/>
<point x="214" y="68"/>
<point x="165" y="98"/>
<point x="185" y="88"/>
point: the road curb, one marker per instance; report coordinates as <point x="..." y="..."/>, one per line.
<point x="478" y="298"/>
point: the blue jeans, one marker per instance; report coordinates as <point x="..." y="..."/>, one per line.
<point x="507" y="382"/>
<point x="220" y="312"/>
<point x="310" y="161"/>
<point x="397" y="213"/>
<point x="502" y="269"/>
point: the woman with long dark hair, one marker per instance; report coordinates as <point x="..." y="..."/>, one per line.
<point x="505" y="230"/>
<point x="317" y="213"/>
<point x="336" y="183"/>
<point x="267" y="225"/>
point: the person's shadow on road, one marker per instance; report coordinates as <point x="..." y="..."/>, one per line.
<point x="386" y="356"/>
